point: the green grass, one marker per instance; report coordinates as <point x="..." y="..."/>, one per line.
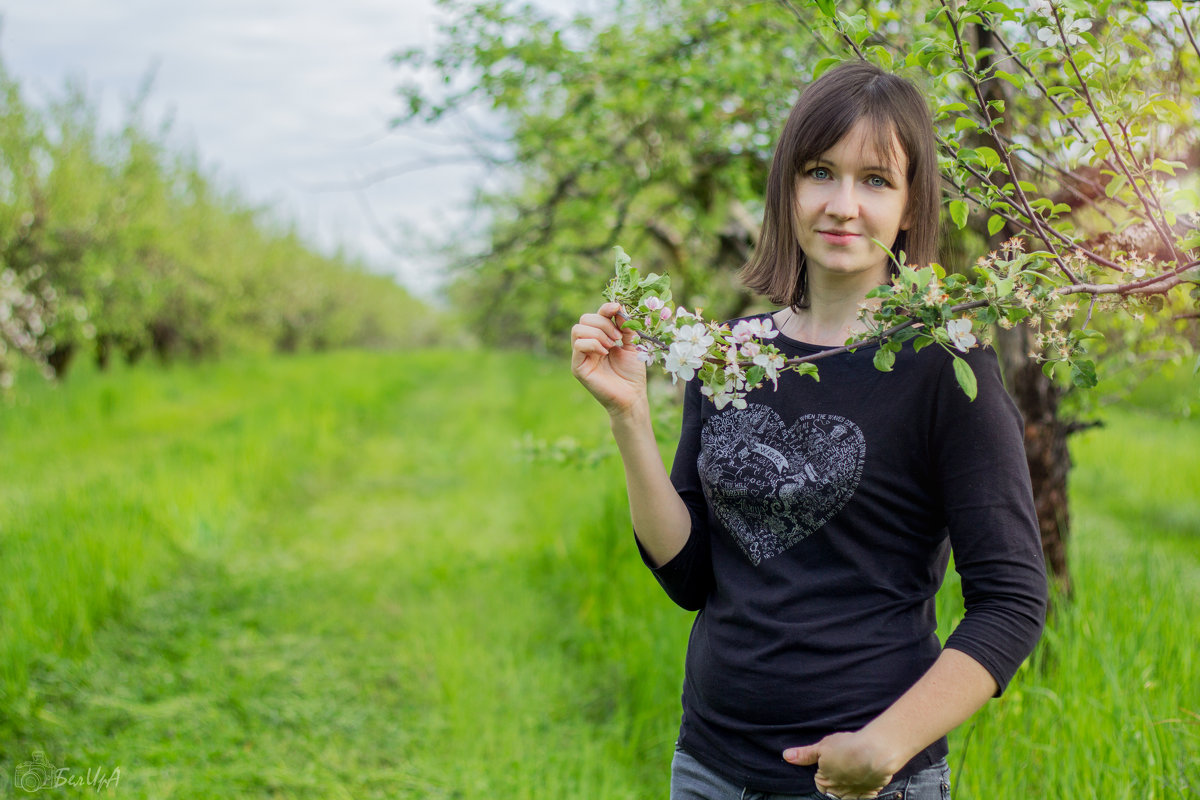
<point x="334" y="576"/>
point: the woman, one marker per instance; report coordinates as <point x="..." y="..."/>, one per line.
<point x="812" y="529"/>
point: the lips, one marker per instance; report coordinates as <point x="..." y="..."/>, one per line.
<point x="838" y="237"/>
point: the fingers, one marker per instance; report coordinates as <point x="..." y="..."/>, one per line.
<point x="585" y="347"/>
<point x="604" y="322"/>
<point x="802" y="755"/>
<point x="606" y="335"/>
<point x="610" y="310"/>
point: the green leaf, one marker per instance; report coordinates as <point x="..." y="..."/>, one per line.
<point x="958" y="213"/>
<point x="825" y="63"/>
<point x="989" y="157"/>
<point x="808" y="369"/>
<point x="921" y="341"/>
<point x="1115" y="185"/>
<point x="995" y="223"/>
<point x="966" y="378"/>
<point x="1167" y="105"/>
<point x="623" y="259"/>
<point x="1016" y="80"/>
<point x="1168" y="167"/>
<point x="924" y="276"/>
<point x="1191" y="240"/>
<point x="633" y="325"/>
<point x="1083" y="374"/>
<point x="885" y="359"/>
<point x="965" y="123"/>
<point x="1135" y="41"/>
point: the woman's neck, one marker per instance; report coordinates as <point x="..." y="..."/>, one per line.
<point x="831" y="316"/>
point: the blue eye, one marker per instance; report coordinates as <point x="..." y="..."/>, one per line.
<point x="878" y="182"/>
<point x="820" y="173"/>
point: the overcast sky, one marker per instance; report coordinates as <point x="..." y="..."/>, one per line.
<point x="282" y="98"/>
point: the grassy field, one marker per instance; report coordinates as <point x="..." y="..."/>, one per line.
<point x="335" y="576"/>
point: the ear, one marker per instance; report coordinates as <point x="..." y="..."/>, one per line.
<point x="906" y="221"/>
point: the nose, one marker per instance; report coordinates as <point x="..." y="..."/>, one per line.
<point x="842" y="202"/>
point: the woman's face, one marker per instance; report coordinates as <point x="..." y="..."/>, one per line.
<point x="848" y="197"/>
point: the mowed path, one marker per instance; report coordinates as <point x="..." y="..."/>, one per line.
<point x="339" y="578"/>
<point x="378" y="629"/>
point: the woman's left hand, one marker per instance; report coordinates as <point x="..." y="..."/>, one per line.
<point x="849" y="765"/>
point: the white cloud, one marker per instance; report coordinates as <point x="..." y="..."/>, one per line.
<point x="279" y="96"/>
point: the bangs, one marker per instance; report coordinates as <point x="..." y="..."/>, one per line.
<point x="882" y="142"/>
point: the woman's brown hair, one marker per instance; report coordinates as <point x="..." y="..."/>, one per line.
<point x="826" y="112"/>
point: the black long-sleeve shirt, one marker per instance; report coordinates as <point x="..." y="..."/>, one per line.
<point x="823" y="516"/>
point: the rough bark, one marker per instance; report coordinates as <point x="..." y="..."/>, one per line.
<point x="1046" y="452"/>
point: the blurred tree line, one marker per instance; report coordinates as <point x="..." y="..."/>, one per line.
<point x="112" y="245"/>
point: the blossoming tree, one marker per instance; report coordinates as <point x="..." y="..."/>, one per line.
<point x="1066" y="144"/>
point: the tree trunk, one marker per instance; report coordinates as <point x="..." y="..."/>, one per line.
<point x="1046" y="432"/>
<point x="60" y="357"/>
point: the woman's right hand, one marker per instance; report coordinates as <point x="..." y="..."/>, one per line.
<point x="606" y="362"/>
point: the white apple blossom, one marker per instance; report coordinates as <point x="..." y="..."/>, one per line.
<point x="756" y="328"/>
<point x="652" y="303"/>
<point x="763" y="328"/>
<point x="772" y="363"/>
<point x="683" y="313"/>
<point x="1071" y="28"/>
<point x="723" y="398"/>
<point x="960" y="334"/>
<point x="683" y="359"/>
<point x="1041" y="8"/>
<point x="742" y="333"/>
<point x="697" y="335"/>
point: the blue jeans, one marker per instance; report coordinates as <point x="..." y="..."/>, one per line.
<point x="691" y="780"/>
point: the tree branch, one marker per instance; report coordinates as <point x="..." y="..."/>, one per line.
<point x="1091" y="103"/>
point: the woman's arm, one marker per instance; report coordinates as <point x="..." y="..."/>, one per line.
<point x="607" y="364"/>
<point x="859" y="764"/>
